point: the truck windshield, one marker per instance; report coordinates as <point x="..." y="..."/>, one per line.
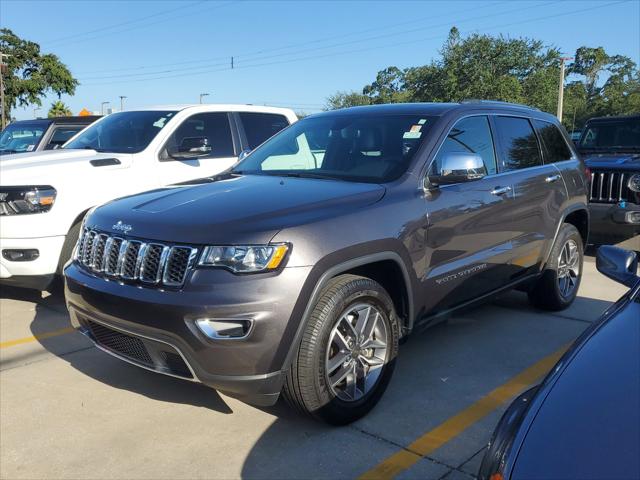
<point x="124" y="132"/>
<point x="21" y="137"/>
<point x="358" y="148"/>
<point x="618" y="134"/>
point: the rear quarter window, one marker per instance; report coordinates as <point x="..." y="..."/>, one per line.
<point x="554" y="146"/>
<point x="258" y="127"/>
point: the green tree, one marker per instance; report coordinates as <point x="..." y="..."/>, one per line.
<point x="346" y="99"/>
<point x="59" y="109"/>
<point x="31" y="74"/>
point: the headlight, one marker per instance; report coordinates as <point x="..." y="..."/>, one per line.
<point x="23" y="200"/>
<point x="634" y="183"/>
<point x="244" y="258"/>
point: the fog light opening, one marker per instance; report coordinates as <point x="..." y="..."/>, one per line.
<point x="633" y="217"/>
<point x="224" y="329"/>
<point x="20" y="255"/>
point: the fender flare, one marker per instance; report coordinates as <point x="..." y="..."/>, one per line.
<point x="563" y="217"/>
<point x="337" y="270"/>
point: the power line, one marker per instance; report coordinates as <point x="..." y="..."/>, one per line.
<point x="340" y="44"/>
<point x="377" y="47"/>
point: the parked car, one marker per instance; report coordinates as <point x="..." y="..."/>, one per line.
<point x="45" y="195"/>
<point x="610" y="147"/>
<point x="583" y="420"/>
<point x="41" y="134"/>
<point x="299" y="269"/>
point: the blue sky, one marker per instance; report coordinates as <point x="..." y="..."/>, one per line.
<point x="286" y="53"/>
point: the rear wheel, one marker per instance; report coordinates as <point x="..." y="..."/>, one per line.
<point x="347" y="353"/>
<point x="558" y="286"/>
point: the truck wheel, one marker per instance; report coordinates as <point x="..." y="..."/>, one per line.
<point x="558" y="286"/>
<point x="347" y="353"/>
<point x="65" y="254"/>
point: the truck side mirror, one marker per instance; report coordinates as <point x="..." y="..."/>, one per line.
<point x="191" y="147"/>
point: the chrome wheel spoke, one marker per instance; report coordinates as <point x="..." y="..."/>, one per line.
<point x="568" y="268"/>
<point x="341" y="374"/>
<point x="338" y="359"/>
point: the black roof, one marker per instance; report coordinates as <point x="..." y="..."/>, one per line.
<point x="615" y="118"/>
<point x="436" y="109"/>
<point x="75" y="120"/>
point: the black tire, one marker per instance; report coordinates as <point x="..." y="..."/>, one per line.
<point x="57" y="284"/>
<point x="546" y="293"/>
<point x="306" y="387"/>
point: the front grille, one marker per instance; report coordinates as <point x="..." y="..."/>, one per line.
<point x="610" y="187"/>
<point x="130" y="347"/>
<point x="135" y="260"/>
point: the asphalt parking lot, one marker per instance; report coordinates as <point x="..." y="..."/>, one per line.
<point x="68" y="410"/>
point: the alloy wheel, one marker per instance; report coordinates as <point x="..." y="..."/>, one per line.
<point x="568" y="268"/>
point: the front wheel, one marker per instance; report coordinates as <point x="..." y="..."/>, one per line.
<point x="347" y="353"/>
<point x="558" y="286"/>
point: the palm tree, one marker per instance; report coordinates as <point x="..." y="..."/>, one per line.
<point x="59" y="109"/>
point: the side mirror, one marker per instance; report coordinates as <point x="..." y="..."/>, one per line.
<point x="618" y="264"/>
<point x="459" y="167"/>
<point x="244" y="154"/>
<point x="191" y="147"/>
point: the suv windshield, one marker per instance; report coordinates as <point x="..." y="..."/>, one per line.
<point x="623" y="134"/>
<point x="366" y="148"/>
<point x="21" y="137"/>
<point x="124" y="132"/>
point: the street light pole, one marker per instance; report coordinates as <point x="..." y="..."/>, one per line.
<point x="203" y="95"/>
<point x="561" y="87"/>
<point x="122" y="97"/>
<point x="102" y="107"/>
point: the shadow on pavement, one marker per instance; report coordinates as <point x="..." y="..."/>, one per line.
<point x="80" y="353"/>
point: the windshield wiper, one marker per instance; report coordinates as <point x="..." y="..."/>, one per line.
<point x="303" y="175"/>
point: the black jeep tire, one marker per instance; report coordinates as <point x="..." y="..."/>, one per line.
<point x="307" y="386"/>
<point x="549" y="291"/>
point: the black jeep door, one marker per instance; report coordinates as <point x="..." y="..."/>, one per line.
<point x="538" y="193"/>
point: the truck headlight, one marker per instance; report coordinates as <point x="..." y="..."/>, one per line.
<point x="28" y="199"/>
<point x="245" y="258"/>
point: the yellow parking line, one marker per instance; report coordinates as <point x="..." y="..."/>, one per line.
<point x="41" y="336"/>
<point x="455" y="425"/>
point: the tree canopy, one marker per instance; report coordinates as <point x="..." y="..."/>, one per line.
<point x="30" y="74"/>
<point x="59" y="109"/>
<point x="519" y="70"/>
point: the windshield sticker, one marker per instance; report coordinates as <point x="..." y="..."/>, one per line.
<point x="415" y="128"/>
<point x="412" y="135"/>
<point x="160" y="122"/>
<point x="422" y="121"/>
<point x="30" y="147"/>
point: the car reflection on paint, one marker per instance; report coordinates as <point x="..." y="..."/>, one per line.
<point x="583" y="420"/>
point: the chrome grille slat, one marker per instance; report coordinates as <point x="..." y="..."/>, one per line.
<point x="609" y="187"/>
<point x="150" y="263"/>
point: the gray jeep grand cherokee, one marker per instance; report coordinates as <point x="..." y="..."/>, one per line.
<point x="300" y="269"/>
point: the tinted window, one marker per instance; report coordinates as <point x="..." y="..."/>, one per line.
<point x="260" y="126"/>
<point x="359" y="148"/>
<point x="60" y="136"/>
<point x="620" y="134"/>
<point x="518" y="145"/>
<point x="212" y="126"/>
<point x="21" y="137"/>
<point x="469" y="135"/>
<point x="123" y="132"/>
<point x="553" y="143"/>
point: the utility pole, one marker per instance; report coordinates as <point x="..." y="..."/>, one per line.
<point x="2" y="72"/>
<point x="35" y="109"/>
<point x="102" y="107"/>
<point x="561" y="87"/>
<point x="203" y="95"/>
<point x="122" y="97"/>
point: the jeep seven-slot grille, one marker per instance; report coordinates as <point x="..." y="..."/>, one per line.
<point x="149" y="263"/>
<point x="610" y="187"/>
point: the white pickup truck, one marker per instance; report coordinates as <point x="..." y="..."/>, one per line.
<point x="45" y="195"/>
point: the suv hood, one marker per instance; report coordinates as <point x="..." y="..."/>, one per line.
<point x="620" y="161"/>
<point x="243" y="209"/>
<point x="43" y="168"/>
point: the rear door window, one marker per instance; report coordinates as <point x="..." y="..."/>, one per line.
<point x="554" y="145"/>
<point x="258" y="127"/>
<point x="518" y="144"/>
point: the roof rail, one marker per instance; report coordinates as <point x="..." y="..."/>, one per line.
<point x="499" y="102"/>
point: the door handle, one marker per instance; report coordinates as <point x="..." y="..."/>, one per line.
<point x="500" y="190"/>
<point x="552" y="178"/>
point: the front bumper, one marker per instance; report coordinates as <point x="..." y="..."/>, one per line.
<point x="613" y="223"/>
<point x="162" y="324"/>
<point x="35" y="273"/>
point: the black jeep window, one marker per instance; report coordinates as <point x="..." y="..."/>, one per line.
<point x="469" y="135"/>
<point x="518" y="145"/>
<point x="553" y="143"/>
<point x="260" y="126"/>
<point x="213" y="126"/>
<point x="61" y="135"/>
